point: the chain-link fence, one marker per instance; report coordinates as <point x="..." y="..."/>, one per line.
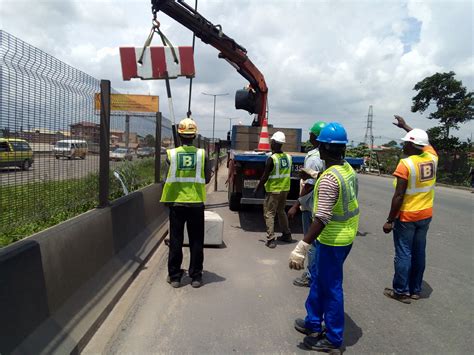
<point x="50" y="136"/>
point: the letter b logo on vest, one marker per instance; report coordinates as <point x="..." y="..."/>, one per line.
<point x="426" y="171"/>
<point x="284" y="163"/>
<point x="186" y="161"/>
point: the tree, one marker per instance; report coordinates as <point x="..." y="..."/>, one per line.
<point x="149" y="140"/>
<point x="392" y="143"/>
<point x="440" y="141"/>
<point x="454" y="104"/>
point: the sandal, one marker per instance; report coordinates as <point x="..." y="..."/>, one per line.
<point x="396" y="296"/>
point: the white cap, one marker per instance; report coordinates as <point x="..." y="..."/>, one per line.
<point x="279" y="137"/>
<point x="417" y="136"/>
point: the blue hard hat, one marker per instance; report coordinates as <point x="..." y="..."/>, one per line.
<point x="333" y="133"/>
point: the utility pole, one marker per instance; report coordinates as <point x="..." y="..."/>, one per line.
<point x="214" y="115"/>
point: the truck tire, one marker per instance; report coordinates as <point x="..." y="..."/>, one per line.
<point x="234" y="201"/>
<point x="26" y="165"/>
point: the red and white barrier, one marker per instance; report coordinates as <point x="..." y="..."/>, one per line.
<point x="158" y="63"/>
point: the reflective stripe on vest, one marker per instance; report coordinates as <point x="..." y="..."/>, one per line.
<point x="345" y="199"/>
<point x="279" y="179"/>
<point x="411" y="188"/>
<point x="419" y="194"/>
<point x="173" y="168"/>
<point x="342" y="228"/>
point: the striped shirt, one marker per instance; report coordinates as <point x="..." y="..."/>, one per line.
<point x="328" y="193"/>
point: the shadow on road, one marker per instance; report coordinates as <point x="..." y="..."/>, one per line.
<point x="352" y="332"/>
<point x="251" y="220"/>
<point x="426" y="290"/>
<point x="208" y="277"/>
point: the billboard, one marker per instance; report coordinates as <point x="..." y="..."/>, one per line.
<point x="130" y="103"/>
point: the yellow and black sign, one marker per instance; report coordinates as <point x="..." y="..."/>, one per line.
<point x="130" y="103"/>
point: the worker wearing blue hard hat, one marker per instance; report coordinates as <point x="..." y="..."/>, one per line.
<point x="334" y="227"/>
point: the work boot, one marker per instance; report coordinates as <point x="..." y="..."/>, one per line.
<point x="271" y="243"/>
<point x="196" y="282"/>
<point x="320" y="343"/>
<point x="396" y="296"/>
<point x="286" y="238"/>
<point x="301" y="327"/>
<point x="175" y="283"/>
<point x="302" y="281"/>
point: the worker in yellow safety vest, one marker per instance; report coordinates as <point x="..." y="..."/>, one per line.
<point x="334" y="227"/>
<point x="185" y="193"/>
<point x="411" y="212"/>
<point x="276" y="178"/>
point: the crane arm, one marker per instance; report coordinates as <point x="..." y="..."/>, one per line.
<point x="228" y="49"/>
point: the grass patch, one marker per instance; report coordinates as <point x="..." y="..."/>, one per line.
<point x="30" y="208"/>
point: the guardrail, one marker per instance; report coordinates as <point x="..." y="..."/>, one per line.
<point x="57" y="286"/>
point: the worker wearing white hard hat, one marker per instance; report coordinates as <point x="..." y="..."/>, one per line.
<point x="411" y="212"/>
<point x="276" y="179"/>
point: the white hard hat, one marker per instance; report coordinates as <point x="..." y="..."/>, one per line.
<point x="279" y="137"/>
<point x="417" y="136"/>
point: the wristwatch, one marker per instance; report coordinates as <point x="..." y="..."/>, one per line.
<point x="390" y="220"/>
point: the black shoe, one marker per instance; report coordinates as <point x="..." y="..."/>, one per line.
<point x="285" y="238"/>
<point x="300" y="326"/>
<point x="196" y="282"/>
<point x="396" y="296"/>
<point x="320" y="343"/>
<point x="271" y="243"/>
<point x="175" y="283"/>
<point x="302" y="281"/>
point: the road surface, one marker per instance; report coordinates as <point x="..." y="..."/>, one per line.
<point x="248" y="303"/>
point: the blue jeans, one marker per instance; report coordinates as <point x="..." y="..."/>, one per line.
<point x="409" y="239"/>
<point x="326" y="298"/>
<point x="306" y="218"/>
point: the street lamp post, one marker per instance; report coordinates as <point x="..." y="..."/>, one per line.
<point x="214" y="115"/>
<point x="230" y="122"/>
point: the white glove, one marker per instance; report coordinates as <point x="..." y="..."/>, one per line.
<point x="298" y="255"/>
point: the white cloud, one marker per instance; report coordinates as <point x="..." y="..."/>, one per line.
<point x="321" y="59"/>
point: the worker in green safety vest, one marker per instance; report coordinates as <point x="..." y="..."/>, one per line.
<point x="276" y="179"/>
<point x="334" y="227"/>
<point x="185" y="193"/>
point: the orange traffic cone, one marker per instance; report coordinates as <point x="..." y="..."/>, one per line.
<point x="264" y="141"/>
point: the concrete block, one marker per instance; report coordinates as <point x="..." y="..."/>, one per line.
<point x="213" y="229"/>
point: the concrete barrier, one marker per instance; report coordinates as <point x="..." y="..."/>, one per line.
<point x="57" y="286"/>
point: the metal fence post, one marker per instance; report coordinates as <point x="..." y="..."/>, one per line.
<point x="158" y="148"/>
<point x="217" y="150"/>
<point x="104" y="167"/>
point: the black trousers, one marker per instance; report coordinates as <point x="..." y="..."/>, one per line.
<point x="194" y="219"/>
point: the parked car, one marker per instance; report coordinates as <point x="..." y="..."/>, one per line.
<point x="70" y="148"/>
<point x="121" y="154"/>
<point x="15" y="152"/>
<point x="146" y="152"/>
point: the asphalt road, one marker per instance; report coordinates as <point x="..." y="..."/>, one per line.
<point x="47" y="168"/>
<point x="248" y="303"/>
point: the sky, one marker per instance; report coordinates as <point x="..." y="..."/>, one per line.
<point x="322" y="60"/>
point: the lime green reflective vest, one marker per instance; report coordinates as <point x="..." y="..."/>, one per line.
<point x="279" y="179"/>
<point x="342" y="228"/>
<point x="186" y="181"/>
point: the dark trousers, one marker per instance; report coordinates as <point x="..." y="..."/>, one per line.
<point x="194" y="219"/>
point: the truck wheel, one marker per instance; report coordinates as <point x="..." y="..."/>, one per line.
<point x="26" y="165"/>
<point x="234" y="201"/>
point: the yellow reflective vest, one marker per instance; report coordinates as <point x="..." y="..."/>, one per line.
<point x="186" y="181"/>
<point x="280" y="177"/>
<point x="421" y="182"/>
<point x="342" y="228"/>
